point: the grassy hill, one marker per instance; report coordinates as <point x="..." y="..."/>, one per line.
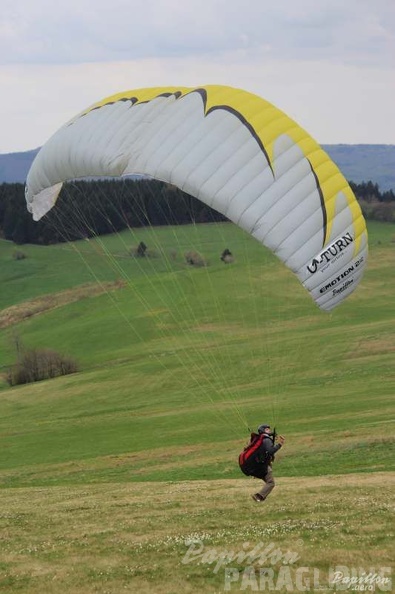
<point x="177" y="362"/>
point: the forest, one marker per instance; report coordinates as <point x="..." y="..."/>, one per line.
<point x="88" y="208"/>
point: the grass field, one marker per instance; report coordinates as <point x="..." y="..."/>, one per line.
<point x="136" y="537"/>
<point x="105" y="473"/>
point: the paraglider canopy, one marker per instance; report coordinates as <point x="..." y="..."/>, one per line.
<point x="235" y="152"/>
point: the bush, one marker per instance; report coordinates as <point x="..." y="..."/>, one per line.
<point x="378" y="211"/>
<point x="384" y="212"/>
<point x="18" y="255"/>
<point x="35" y="365"/>
<point x="142" y="251"/>
<point x="195" y="259"/>
<point x="227" y="257"/>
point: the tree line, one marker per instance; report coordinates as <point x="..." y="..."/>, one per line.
<point x="375" y="205"/>
<point x="88" y="208"/>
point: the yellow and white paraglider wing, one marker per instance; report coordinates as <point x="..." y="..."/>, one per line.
<point x="233" y="151"/>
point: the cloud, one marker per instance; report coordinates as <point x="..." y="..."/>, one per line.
<point x="327" y="64"/>
<point x="356" y="31"/>
<point x="335" y="103"/>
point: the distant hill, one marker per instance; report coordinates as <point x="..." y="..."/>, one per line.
<point x="358" y="162"/>
<point x="365" y="162"/>
<point x="15" y="166"/>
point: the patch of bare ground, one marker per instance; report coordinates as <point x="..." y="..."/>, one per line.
<point x="373" y="347"/>
<point x="17" y="313"/>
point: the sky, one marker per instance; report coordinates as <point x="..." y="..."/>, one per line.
<point x="329" y="64"/>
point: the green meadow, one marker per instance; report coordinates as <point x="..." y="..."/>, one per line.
<point x="106" y="473"/>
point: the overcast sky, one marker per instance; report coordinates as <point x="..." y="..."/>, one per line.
<point x="329" y="64"/>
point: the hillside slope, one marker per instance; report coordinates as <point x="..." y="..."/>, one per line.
<point x="197" y="354"/>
